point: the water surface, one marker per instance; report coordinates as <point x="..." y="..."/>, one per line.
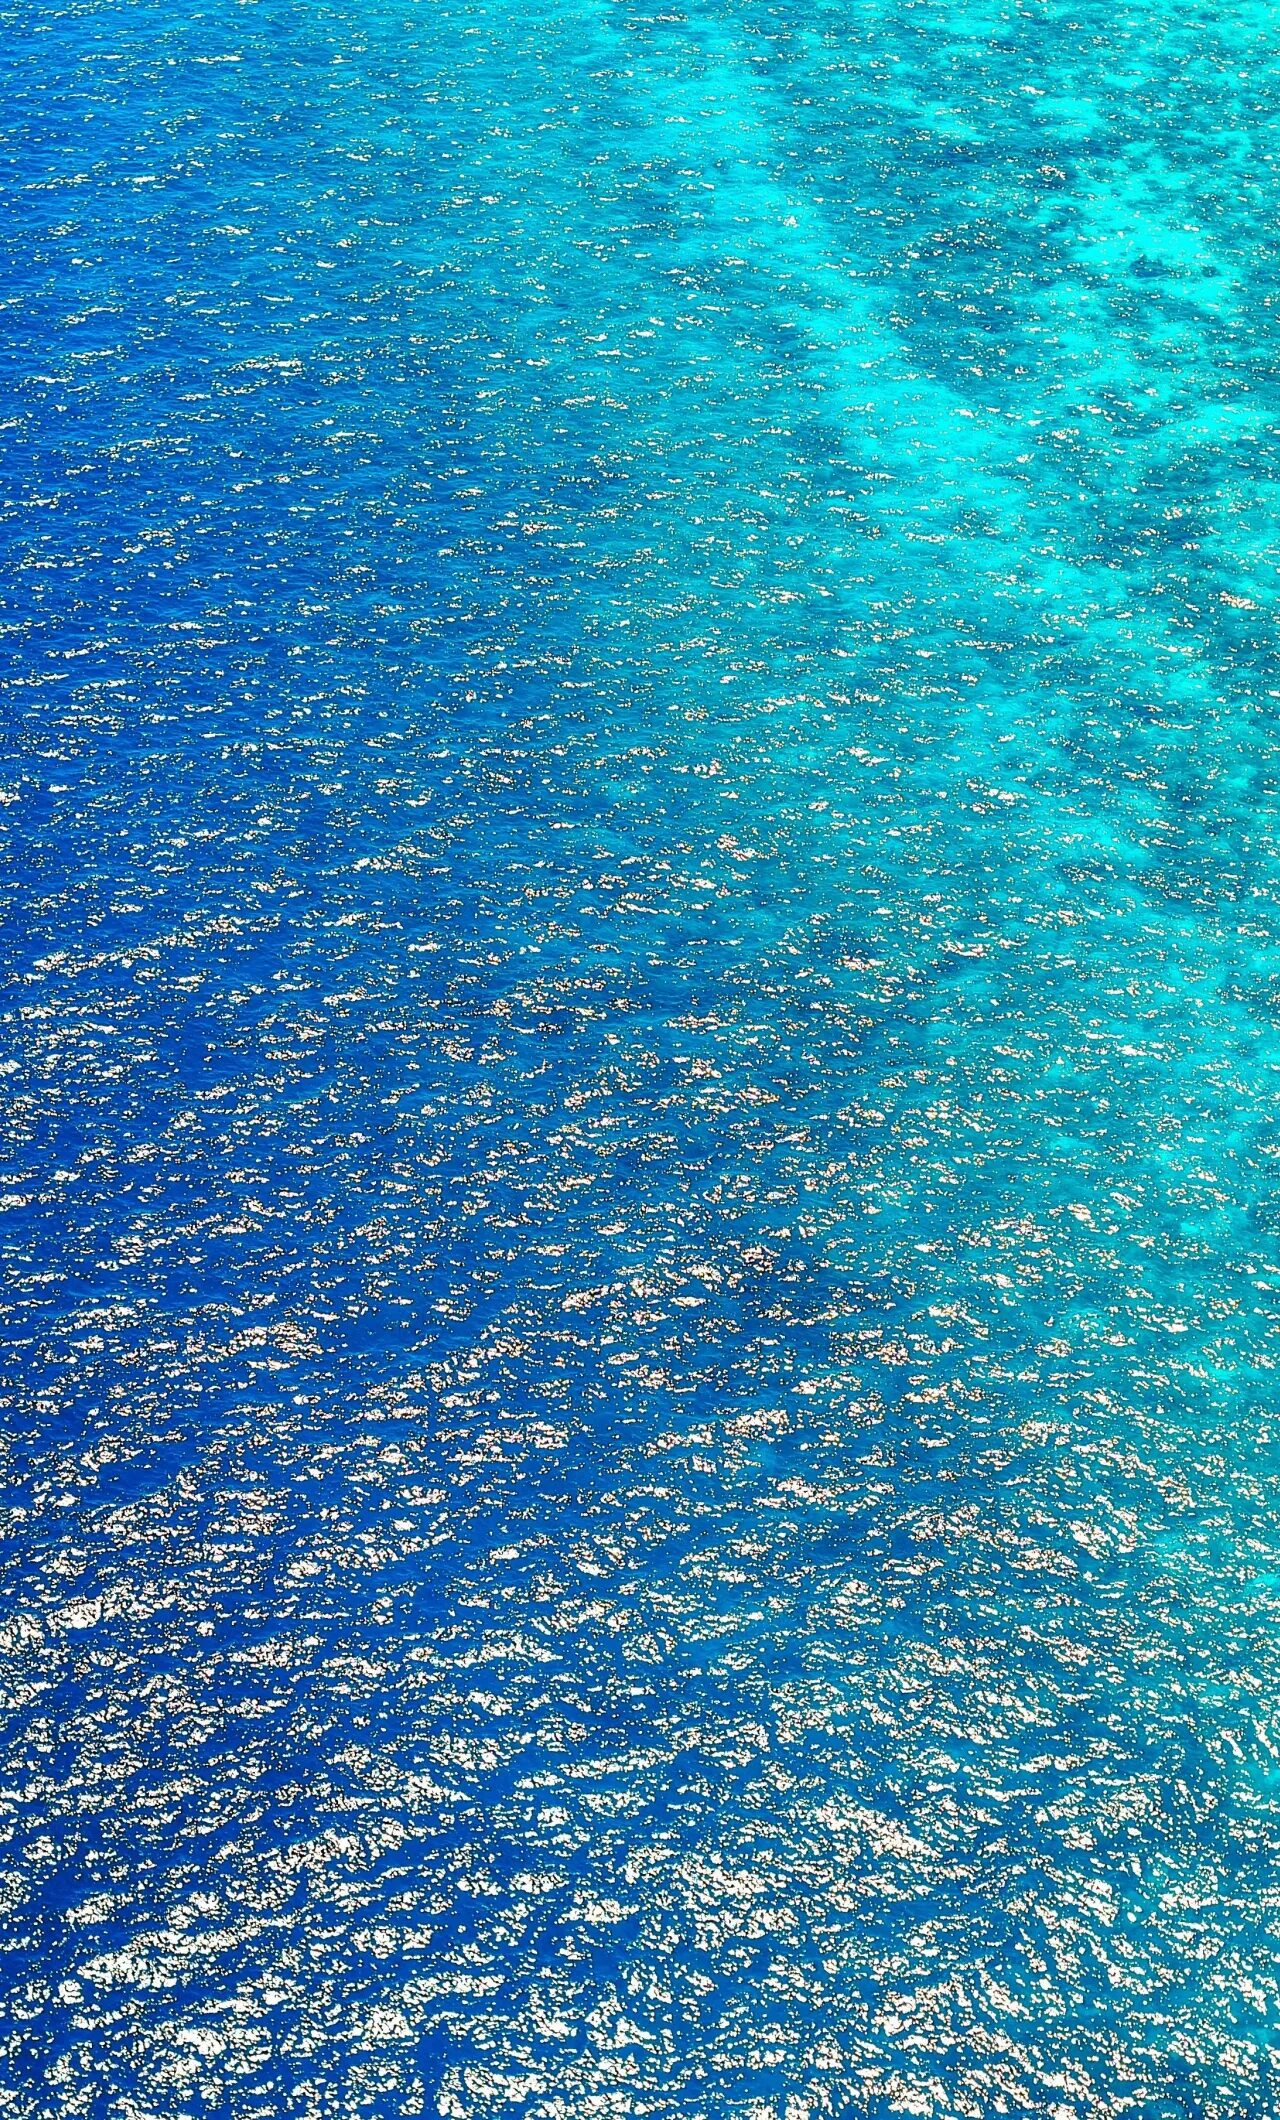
<point x="641" y="1055"/>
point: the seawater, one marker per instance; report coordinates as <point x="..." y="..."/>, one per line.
<point x="640" y="1060"/>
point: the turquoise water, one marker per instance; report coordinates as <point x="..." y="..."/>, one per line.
<point x="642" y="931"/>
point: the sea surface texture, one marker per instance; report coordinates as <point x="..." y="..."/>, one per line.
<point x="641" y="1060"/>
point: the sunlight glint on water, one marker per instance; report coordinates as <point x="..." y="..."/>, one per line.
<point x="641" y="1059"/>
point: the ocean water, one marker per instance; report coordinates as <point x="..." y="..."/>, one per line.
<point x="641" y="1060"/>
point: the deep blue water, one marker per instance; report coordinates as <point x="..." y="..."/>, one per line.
<point x="641" y="1060"/>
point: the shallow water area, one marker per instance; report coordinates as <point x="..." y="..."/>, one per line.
<point x="640" y="1207"/>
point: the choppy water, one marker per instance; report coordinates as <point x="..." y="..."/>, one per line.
<point x="641" y="1061"/>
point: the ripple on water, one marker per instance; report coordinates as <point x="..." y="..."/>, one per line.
<point x="639" y="1208"/>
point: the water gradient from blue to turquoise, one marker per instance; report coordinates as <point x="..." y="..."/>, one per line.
<point x="641" y="1047"/>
